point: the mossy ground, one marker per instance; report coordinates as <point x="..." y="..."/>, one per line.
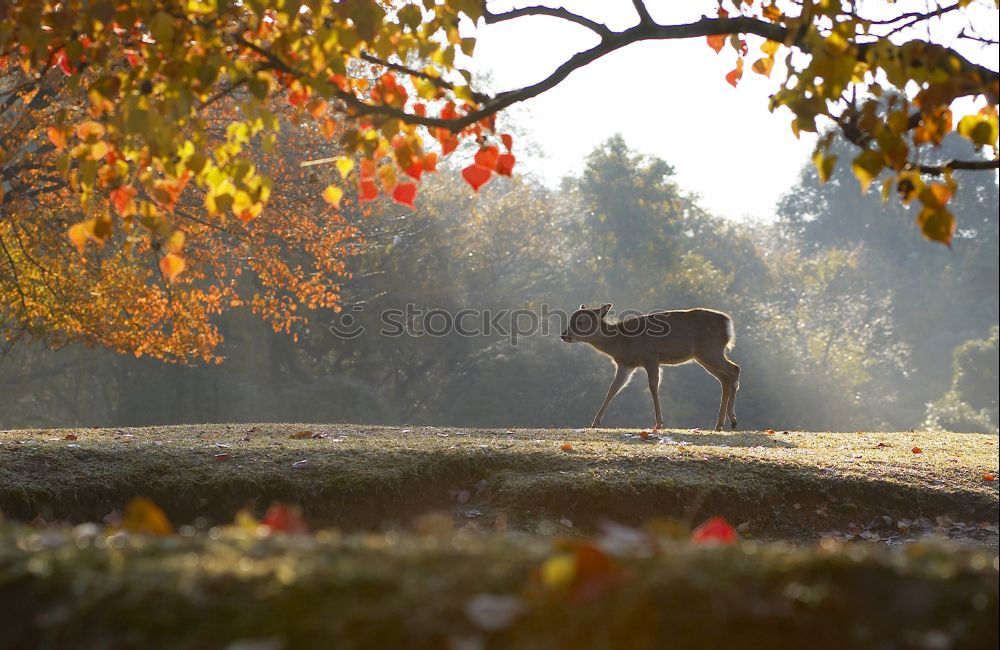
<point x="518" y="553"/>
<point x="786" y="485"/>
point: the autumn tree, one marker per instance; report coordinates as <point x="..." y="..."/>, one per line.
<point x="390" y="79"/>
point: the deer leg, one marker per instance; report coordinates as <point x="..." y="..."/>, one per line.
<point x="653" y="374"/>
<point x="621" y="378"/>
<point x="721" y="373"/>
<point x="732" y="395"/>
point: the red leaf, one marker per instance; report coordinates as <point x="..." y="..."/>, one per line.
<point x="507" y="141"/>
<point x="917" y="450"/>
<point x="367" y="190"/>
<point x="487" y="157"/>
<point x="566" y="447"/>
<point x="430" y="161"/>
<point x="448" y="144"/>
<point x="476" y="176"/>
<point x="405" y="193"/>
<point x="280" y="517"/>
<point x="989" y="477"/>
<point x="121" y="198"/>
<point x="420" y="109"/>
<point x="505" y="166"/>
<point x="63" y="62"/>
<point x="415" y="170"/>
<point x="715" y="530"/>
<point x="367" y="169"/>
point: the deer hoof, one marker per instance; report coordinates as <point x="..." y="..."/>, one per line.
<point x="734" y="425"/>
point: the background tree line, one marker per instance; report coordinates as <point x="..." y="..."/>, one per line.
<point x="846" y="318"/>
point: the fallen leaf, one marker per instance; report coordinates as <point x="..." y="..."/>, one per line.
<point x="917" y="450"/>
<point x="770" y="432"/>
<point x="715" y="531"/>
<point x="70" y="436"/>
<point x="283" y="518"/>
<point x="298" y="435"/>
<point x="644" y="435"/>
<point x="989" y="477"/>
<point x="566" y="447"/>
<point x="144" y="516"/>
<point x="223" y="457"/>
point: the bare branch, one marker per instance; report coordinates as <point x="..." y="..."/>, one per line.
<point x="974" y="165"/>
<point x="640" y="8"/>
<point x="555" y="12"/>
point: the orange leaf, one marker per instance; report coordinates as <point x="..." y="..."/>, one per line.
<point x="329" y="128"/>
<point x="487" y="157"/>
<point x="505" y="166"/>
<point x="566" y="447"/>
<point x="735" y="74"/>
<point x="476" y="176"/>
<point x="86" y="129"/>
<point x="770" y="432"/>
<point x="70" y="436"/>
<point x="989" y="477"/>
<point x="367" y="168"/>
<point x="57" y="137"/>
<point x="716" y="41"/>
<point x="763" y="66"/>
<point x="144" y="516"/>
<point x="405" y="193"/>
<point x="79" y="233"/>
<point x="507" y="141"/>
<point x="917" y="450"/>
<point x="280" y="517"/>
<point x="716" y="530"/>
<point x="644" y="435"/>
<point x="172" y="265"/>
<point x="367" y="190"/>
<point x="420" y="109"/>
<point x="122" y="200"/>
<point x="430" y="161"/>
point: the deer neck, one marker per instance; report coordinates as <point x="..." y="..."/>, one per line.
<point x="604" y="340"/>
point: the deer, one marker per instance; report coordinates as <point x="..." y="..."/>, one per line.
<point x="666" y="337"/>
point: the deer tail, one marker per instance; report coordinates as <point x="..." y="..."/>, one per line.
<point x="730" y="335"/>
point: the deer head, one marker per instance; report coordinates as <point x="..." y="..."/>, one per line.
<point x="585" y="323"/>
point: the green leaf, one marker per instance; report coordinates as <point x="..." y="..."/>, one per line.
<point x="866" y="167"/>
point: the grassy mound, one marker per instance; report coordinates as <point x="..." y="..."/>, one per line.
<point x="82" y="588"/>
<point x="789" y="484"/>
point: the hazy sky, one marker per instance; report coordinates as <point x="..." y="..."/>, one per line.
<point x="669" y="99"/>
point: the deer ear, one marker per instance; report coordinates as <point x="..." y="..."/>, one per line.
<point x="605" y="308"/>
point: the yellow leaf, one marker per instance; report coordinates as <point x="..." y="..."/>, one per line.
<point x="144" y="516"/>
<point x="172" y="265"/>
<point x="935" y="195"/>
<point x="763" y="66"/>
<point x="936" y="224"/>
<point x="79" y="233"/>
<point x="387" y="174"/>
<point x="558" y="570"/>
<point x="332" y="195"/>
<point x="98" y="150"/>
<point x="344" y="166"/>
<point x="175" y="242"/>
<point x="824" y="165"/>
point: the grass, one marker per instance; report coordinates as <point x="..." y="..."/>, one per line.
<point x="85" y="588"/>
<point x="791" y="485"/>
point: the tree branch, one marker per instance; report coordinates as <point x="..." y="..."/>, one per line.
<point x="555" y="12"/>
<point x="975" y="165"/>
<point x="640" y="8"/>
<point x="437" y="81"/>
